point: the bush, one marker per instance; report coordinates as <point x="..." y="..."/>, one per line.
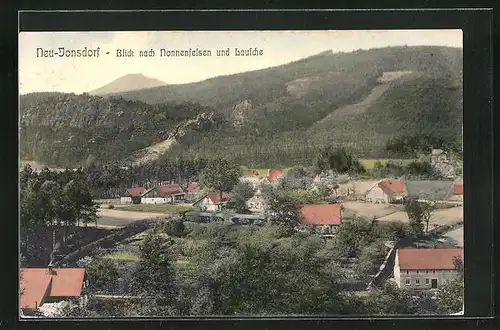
<point x="175" y="227"/>
<point x="111" y="206"/>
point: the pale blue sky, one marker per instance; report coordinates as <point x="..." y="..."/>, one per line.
<point x="80" y="75"/>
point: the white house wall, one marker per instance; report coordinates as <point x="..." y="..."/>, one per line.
<point x="125" y="200"/>
<point x="154" y="200"/>
<point x="377" y="195"/>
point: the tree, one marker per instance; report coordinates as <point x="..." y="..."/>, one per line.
<point x="240" y="194"/>
<point x="175" y="227"/>
<point x="418" y="213"/>
<point x="103" y="273"/>
<point x="354" y="234"/>
<point x="220" y="175"/>
<point x="154" y="279"/>
<point x="281" y="207"/>
<point x="338" y="160"/>
<point x="451" y="295"/>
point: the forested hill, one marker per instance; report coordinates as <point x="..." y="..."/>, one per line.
<point x="69" y="130"/>
<point x="273" y="117"/>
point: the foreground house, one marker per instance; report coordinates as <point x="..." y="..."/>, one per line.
<point x="49" y="285"/>
<point x="127" y="196"/>
<point x="164" y="193"/>
<point x="386" y="191"/>
<point x="324" y="218"/>
<point x="425" y="268"/>
<point x="212" y="202"/>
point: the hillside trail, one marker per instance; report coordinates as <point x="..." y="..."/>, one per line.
<point x="386" y="81"/>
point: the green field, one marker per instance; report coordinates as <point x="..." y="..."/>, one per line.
<point x="122" y="256"/>
<point x="370" y="163"/>
<point x="156" y="208"/>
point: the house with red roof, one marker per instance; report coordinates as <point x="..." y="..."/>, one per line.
<point x="193" y="191"/>
<point x="324" y="218"/>
<point x="212" y="202"/>
<point x="127" y="196"/>
<point x="386" y="191"/>
<point x="425" y="268"/>
<point x="163" y="194"/>
<point x="274" y="174"/>
<point x="48" y="285"/>
<point x="458" y="192"/>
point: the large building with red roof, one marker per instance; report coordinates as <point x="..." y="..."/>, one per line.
<point x="386" y="191"/>
<point x="425" y="268"/>
<point x="126" y="198"/>
<point x="46" y="285"/>
<point x="322" y="217"/>
<point x="164" y="193"/>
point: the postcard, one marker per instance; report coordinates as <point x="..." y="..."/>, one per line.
<point x="241" y="173"/>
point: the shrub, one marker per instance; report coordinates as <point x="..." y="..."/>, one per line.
<point x="111" y="206"/>
<point x="175" y="227"/>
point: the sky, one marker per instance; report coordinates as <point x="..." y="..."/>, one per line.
<point x="79" y="75"/>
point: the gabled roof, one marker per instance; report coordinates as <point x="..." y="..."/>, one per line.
<point x="428" y="259"/>
<point x="38" y="283"/>
<point x="321" y="214"/>
<point x="134" y="192"/>
<point x="192" y="186"/>
<point x="274" y="174"/>
<point x="391" y="187"/>
<point x="166" y="190"/>
<point x="458" y="189"/>
<point x="214" y="197"/>
<point x="429" y="189"/>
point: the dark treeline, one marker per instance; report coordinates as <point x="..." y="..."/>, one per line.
<point x="413" y="145"/>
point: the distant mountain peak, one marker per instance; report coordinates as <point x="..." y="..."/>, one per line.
<point x="127" y="83"/>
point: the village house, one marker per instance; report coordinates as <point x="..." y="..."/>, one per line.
<point x="49" y="285"/>
<point x="126" y="198"/>
<point x="425" y="268"/>
<point x="257" y="203"/>
<point x="212" y="202"/>
<point x="386" y="191"/>
<point x="458" y="192"/>
<point x="323" y="218"/>
<point x="192" y="190"/>
<point x="430" y="190"/>
<point x="164" y="193"/>
<point x="273" y="175"/>
<point x="251" y="178"/>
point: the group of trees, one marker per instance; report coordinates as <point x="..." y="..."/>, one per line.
<point x="415" y="145"/>
<point x="258" y="270"/>
<point x="419" y="214"/>
<point x="50" y="204"/>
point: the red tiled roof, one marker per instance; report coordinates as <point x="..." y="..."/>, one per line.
<point x="168" y="190"/>
<point x="38" y="283"/>
<point x="458" y="189"/>
<point x="392" y="186"/>
<point x="192" y="186"/>
<point x="274" y="174"/>
<point x="133" y="192"/>
<point x="428" y="258"/>
<point x="321" y="214"/>
<point x="215" y="197"/>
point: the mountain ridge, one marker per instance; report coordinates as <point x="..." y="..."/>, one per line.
<point x="127" y="83"/>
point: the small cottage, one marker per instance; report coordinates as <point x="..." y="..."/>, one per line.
<point x="324" y="218"/>
<point x="49" y="285"/>
<point x="212" y="202"/>
<point x="164" y="193"/>
<point x="430" y="190"/>
<point x="127" y="196"/>
<point x="425" y="268"/>
<point x="386" y="191"/>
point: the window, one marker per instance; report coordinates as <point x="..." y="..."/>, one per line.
<point x="426" y="281"/>
<point x="417" y="271"/>
<point x="407" y="281"/>
<point x="407" y="272"/>
<point x="427" y="272"/>
<point x="433" y="272"/>
<point x="417" y="281"/>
